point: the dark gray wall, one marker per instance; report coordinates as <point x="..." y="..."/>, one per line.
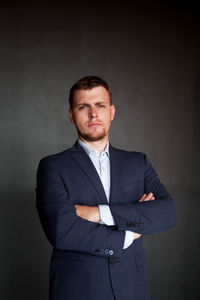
<point x="149" y="54"/>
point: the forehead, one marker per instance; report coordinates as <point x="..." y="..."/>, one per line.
<point x="96" y="94"/>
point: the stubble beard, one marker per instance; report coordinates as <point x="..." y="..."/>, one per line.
<point x="91" y="137"/>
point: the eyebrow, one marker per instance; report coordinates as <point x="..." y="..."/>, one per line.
<point x="88" y="104"/>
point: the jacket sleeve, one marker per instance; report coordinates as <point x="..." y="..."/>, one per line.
<point x="63" y="228"/>
<point x="147" y="217"/>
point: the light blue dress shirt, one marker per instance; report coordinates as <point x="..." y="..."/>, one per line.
<point x="101" y="163"/>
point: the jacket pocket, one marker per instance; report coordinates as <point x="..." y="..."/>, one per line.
<point x="131" y="186"/>
<point x="70" y="255"/>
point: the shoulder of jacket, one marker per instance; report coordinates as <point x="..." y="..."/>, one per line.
<point x="55" y="158"/>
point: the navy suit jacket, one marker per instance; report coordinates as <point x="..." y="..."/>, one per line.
<point x="88" y="261"/>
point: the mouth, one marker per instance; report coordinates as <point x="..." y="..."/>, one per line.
<point x="94" y="124"/>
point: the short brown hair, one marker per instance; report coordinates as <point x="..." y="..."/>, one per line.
<point x="88" y="83"/>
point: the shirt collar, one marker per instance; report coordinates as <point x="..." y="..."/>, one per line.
<point x="91" y="150"/>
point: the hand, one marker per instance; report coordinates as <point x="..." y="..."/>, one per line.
<point x="89" y="213"/>
<point x="146" y="197"/>
<point x="137" y="235"/>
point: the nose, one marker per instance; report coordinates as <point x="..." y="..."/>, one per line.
<point x="93" y="112"/>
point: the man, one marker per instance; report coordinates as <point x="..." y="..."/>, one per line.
<point x="95" y="204"/>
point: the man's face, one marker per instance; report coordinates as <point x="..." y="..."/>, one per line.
<point x="92" y="113"/>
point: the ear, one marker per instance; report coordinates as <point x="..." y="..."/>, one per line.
<point x="112" y="112"/>
<point x="71" y="115"/>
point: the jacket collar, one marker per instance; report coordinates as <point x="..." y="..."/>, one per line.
<point x="83" y="160"/>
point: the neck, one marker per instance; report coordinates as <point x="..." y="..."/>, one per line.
<point x="97" y="145"/>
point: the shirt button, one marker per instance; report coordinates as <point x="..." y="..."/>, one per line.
<point x="111" y="252"/>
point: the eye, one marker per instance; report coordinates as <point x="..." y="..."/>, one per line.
<point x="82" y="107"/>
<point x="101" y="106"/>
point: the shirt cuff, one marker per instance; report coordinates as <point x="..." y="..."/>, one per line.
<point x="129" y="238"/>
<point x="105" y="215"/>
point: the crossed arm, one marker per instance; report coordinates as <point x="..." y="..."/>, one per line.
<point x="67" y="227"/>
<point x="92" y="213"/>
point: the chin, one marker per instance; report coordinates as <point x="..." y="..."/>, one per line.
<point x="93" y="137"/>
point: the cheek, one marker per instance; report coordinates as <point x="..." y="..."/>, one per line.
<point x="105" y="115"/>
<point x="80" y="118"/>
<point x="107" y="122"/>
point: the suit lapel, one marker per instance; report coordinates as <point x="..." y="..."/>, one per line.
<point x="83" y="160"/>
<point x="116" y="171"/>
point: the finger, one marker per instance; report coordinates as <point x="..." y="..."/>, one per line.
<point x="152" y="198"/>
<point x="142" y="198"/>
<point x="149" y="196"/>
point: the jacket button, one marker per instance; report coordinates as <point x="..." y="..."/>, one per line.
<point x="102" y="251"/>
<point x="106" y="251"/>
<point x="111" y="252"/>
